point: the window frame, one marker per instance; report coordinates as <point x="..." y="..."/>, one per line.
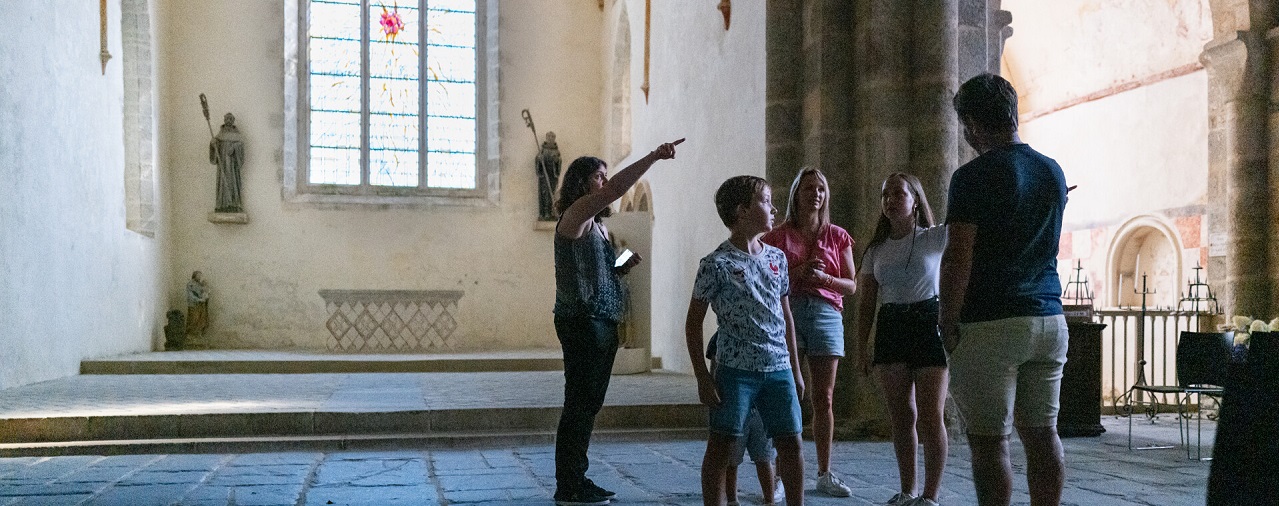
<point x="296" y="156"/>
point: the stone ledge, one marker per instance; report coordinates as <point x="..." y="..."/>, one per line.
<point x="236" y="218"/>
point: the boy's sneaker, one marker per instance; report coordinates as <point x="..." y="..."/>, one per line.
<point x="831" y="485"/>
<point x="590" y="487"/>
<point x="779" y="493"/>
<point x="579" y="498"/>
<point x="922" y="501"/>
<point x="901" y="499"/>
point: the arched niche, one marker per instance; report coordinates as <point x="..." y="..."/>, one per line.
<point x="619" y="106"/>
<point x="1147" y="245"/>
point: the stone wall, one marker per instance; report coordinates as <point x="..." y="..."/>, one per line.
<point x="75" y="281"/>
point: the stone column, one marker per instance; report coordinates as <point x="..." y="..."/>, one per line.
<point x="1272" y="83"/>
<point x="983" y="29"/>
<point x="883" y="95"/>
<point x="783" y="115"/>
<point x="1237" y="168"/>
<point x="934" y="136"/>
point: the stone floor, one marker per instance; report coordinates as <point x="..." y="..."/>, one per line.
<point x="1101" y="472"/>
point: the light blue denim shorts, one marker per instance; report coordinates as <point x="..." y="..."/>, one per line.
<point x="772" y="393"/>
<point x="819" y="327"/>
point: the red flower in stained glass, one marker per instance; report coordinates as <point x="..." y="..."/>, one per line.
<point x="391" y="22"/>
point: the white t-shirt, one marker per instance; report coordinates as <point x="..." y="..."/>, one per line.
<point x="901" y="282"/>
<point x="746" y="291"/>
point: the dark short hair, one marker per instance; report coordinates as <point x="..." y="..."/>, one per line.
<point x="988" y="101"/>
<point x="573" y="186"/>
<point x="736" y="192"/>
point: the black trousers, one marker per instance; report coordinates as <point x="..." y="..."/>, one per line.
<point x="589" y="346"/>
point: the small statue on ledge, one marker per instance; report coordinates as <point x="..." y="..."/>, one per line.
<point x="197" y="306"/>
<point x="548" y="170"/>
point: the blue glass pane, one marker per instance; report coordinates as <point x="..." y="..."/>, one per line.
<point x="450" y="170"/>
<point x="393" y="96"/>
<point x="334" y="166"/>
<point x="334" y="57"/>
<point x="450" y="28"/>
<point x="335" y="129"/>
<point x="450" y="63"/>
<point x="450" y="134"/>
<point x="452" y="5"/>
<point x="393" y="168"/>
<point x="334" y="20"/>
<point x="450" y="99"/>
<point x="350" y="2"/>
<point x="393" y="132"/>
<point x="335" y="93"/>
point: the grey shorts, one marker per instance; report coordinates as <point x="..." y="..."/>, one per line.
<point x="1008" y="372"/>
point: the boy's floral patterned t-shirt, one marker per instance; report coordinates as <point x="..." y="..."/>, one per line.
<point x="745" y="291"/>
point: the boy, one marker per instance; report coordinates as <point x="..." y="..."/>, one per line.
<point x="756" y="442"/>
<point x="745" y="281"/>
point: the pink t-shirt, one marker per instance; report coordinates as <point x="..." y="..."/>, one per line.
<point x="830" y="248"/>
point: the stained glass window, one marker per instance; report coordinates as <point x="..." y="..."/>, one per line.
<point x="380" y="75"/>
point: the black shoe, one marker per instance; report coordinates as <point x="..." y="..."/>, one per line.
<point x="579" y="498"/>
<point x="591" y="488"/>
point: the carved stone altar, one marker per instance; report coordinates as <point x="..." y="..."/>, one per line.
<point x="363" y="321"/>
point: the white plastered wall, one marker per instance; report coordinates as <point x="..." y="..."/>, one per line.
<point x="1113" y="91"/>
<point x="264" y="276"/>
<point x="75" y="283"/>
<point x="706" y="85"/>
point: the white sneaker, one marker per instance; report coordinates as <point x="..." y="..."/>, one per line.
<point x="831" y="485"/>
<point x="779" y="493"/>
<point x="901" y="499"/>
<point x="922" y="501"/>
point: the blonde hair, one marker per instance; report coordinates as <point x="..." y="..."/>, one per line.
<point x="823" y="213"/>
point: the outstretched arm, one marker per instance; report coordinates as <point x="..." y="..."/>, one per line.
<point x="573" y="222"/>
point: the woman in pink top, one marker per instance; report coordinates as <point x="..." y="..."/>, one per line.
<point x="820" y="256"/>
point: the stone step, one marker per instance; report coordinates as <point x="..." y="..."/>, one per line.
<point x="337" y="442"/>
<point x="310" y="424"/>
<point x="305" y="362"/>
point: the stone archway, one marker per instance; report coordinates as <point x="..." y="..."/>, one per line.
<point x="1145" y="245"/>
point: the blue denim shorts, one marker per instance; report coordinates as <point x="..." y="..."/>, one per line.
<point x="819" y="327"/>
<point x="756" y="442"/>
<point x="772" y="393"/>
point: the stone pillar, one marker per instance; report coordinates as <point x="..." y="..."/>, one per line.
<point x="883" y="95"/>
<point x="1272" y="83"/>
<point x="1238" y="173"/>
<point x="983" y="29"/>
<point x="934" y="136"/>
<point x="783" y="116"/>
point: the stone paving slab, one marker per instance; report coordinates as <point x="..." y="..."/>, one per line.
<point x="1101" y="471"/>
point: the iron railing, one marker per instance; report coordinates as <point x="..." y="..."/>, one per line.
<point x="1128" y="338"/>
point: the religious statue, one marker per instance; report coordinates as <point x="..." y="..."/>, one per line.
<point x="548" y="177"/>
<point x="226" y="150"/>
<point x="197" y="305"/>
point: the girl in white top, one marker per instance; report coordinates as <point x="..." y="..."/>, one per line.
<point x="900" y="271"/>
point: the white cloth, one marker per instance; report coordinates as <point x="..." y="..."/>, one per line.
<point x="745" y="292"/>
<point x="901" y="282"/>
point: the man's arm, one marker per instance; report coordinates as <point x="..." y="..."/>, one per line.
<point x="956" y="266"/>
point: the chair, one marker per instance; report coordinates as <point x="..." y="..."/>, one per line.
<point x="1202" y="361"/>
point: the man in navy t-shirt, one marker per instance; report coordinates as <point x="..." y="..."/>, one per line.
<point x="1001" y="313"/>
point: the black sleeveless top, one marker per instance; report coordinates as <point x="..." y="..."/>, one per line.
<point x="585" y="284"/>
